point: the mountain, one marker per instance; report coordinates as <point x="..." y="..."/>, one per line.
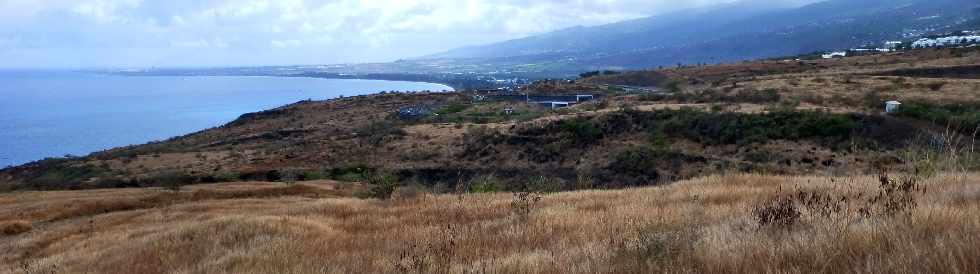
<point x="730" y="32"/>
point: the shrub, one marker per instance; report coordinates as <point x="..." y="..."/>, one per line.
<point x="172" y="180"/>
<point x="638" y="163"/>
<point x="581" y="131"/>
<point x="485" y="184"/>
<point x="964" y="118"/>
<point x="353" y="173"/>
<point x="379" y="132"/>
<point x="894" y="196"/>
<point x="738" y="128"/>
<point x="273" y="176"/>
<point x="58" y="173"/>
<point x="452" y="108"/>
<point x="780" y="212"/>
<point x="935" y="86"/>
<point x="657" y="138"/>
<point x="313" y="175"/>
<point x="382" y="186"/>
<point x="673" y="86"/>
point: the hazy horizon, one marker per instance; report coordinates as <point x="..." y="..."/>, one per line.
<point x="93" y="34"/>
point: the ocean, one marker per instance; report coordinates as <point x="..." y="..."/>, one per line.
<point x="53" y="113"/>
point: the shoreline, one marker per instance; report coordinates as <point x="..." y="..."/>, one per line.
<point x="12" y="158"/>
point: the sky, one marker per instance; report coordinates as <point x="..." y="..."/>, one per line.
<point x="203" y="33"/>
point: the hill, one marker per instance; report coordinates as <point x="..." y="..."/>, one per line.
<point x="764" y="166"/>
<point x="741" y="30"/>
<point x="734" y="223"/>
<point x="776" y="117"/>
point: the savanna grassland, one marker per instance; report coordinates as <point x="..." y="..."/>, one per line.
<point x="773" y="166"/>
<point x="717" y="224"/>
<point x="784" y="117"/>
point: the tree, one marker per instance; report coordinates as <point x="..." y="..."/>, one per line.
<point x="673" y="86"/>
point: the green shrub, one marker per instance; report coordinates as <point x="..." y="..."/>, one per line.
<point x="962" y="117"/>
<point x="382" y="186"/>
<point x="673" y="86"/>
<point x="485" y="184"/>
<point x="739" y="128"/>
<point x="581" y="131"/>
<point x="313" y="175"/>
<point x="452" y="108"/>
<point x="354" y="173"/>
<point x="657" y="138"/>
<point x="639" y="163"/>
<point x="61" y="172"/>
<point x="173" y="180"/>
<point x="273" y="176"/>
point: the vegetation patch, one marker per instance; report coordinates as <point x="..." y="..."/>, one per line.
<point x="10" y="228"/>
<point x="380" y="132"/>
<point x="641" y="165"/>
<point x="739" y="128"/>
<point x="964" y="117"/>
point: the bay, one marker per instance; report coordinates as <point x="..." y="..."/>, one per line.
<point x="54" y="113"/>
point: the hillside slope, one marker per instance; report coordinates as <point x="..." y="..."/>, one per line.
<point x="728" y="224"/>
<point x="732" y="32"/>
<point x="767" y="116"/>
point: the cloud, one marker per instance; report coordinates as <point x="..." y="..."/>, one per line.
<point x="252" y="32"/>
<point x="201" y="43"/>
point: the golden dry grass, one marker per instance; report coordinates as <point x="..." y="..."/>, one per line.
<point x="704" y="225"/>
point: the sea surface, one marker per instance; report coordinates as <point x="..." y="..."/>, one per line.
<point x="53" y="113"/>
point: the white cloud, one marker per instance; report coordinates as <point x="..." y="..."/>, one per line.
<point x="314" y="31"/>
<point x="286" y="44"/>
<point x="201" y="43"/>
<point x="104" y="11"/>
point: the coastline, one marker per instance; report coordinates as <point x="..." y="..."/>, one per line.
<point x="457" y="82"/>
<point x="21" y="156"/>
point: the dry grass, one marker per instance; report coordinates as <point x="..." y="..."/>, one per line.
<point x="702" y="225"/>
<point x="9" y="228"/>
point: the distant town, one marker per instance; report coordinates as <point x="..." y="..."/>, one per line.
<point x="954" y="39"/>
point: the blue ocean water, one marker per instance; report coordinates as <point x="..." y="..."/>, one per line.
<point x="48" y="114"/>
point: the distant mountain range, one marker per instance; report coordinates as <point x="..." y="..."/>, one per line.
<point x="748" y="29"/>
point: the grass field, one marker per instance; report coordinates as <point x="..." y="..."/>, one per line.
<point x="754" y="167"/>
<point x="732" y="223"/>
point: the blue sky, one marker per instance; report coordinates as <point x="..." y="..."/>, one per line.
<point x="146" y="33"/>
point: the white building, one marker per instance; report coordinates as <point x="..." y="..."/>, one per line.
<point x="892" y="44"/>
<point x="946" y="41"/>
<point x="835" y="54"/>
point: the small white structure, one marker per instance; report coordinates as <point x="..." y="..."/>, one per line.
<point x="554" y="104"/>
<point x="580" y="98"/>
<point x="892" y="45"/>
<point x="836" y="54"/>
<point x="892" y="106"/>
